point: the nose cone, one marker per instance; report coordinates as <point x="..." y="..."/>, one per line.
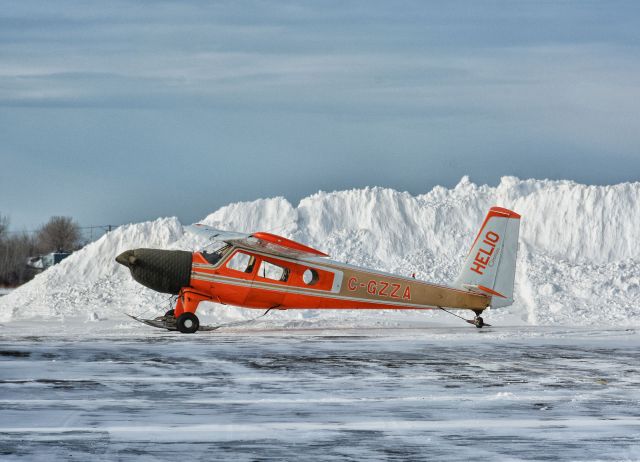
<point x="164" y="271"/>
<point x="127" y="258"/>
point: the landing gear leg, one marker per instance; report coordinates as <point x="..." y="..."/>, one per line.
<point x="186" y="320"/>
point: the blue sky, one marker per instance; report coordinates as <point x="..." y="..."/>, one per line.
<point x="113" y="112"/>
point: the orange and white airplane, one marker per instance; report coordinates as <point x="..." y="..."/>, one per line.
<point x="265" y="271"/>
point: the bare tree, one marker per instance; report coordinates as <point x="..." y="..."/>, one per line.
<point x="59" y="234"/>
<point x="4" y="226"/>
<point x="14" y="251"/>
<point x="4" y="249"/>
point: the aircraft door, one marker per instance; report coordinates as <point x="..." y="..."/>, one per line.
<point x="270" y="284"/>
<point x="235" y="278"/>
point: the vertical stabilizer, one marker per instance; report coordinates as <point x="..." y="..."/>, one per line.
<point x="490" y="266"/>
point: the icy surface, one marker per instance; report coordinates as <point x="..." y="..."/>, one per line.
<point x="514" y="393"/>
<point x="579" y="259"/>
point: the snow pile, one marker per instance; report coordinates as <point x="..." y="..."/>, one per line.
<point x="90" y="282"/>
<point x="579" y="262"/>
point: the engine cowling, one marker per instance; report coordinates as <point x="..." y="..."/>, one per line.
<point x="165" y="271"/>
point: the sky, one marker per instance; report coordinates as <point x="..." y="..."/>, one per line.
<point x="123" y="111"/>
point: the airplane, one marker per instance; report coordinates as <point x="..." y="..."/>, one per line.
<point x="266" y="271"/>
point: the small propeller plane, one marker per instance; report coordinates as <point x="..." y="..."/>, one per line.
<point x="265" y="271"/>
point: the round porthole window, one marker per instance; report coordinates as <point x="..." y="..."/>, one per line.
<point x="310" y="277"/>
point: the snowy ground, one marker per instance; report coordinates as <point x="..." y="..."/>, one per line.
<point x="440" y="392"/>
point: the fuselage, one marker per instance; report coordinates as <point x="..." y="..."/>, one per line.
<point x="252" y="279"/>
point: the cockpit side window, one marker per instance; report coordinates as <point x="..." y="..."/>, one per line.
<point x="269" y="270"/>
<point x="242" y="262"/>
<point x="214" y="256"/>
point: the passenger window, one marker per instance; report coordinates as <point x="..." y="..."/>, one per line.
<point x="241" y="262"/>
<point x="270" y="271"/>
<point x="310" y="277"/>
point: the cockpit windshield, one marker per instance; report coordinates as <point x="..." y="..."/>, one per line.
<point x="213" y="255"/>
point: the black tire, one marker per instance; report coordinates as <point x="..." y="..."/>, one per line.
<point x="188" y="323"/>
<point x="169" y="314"/>
<point x="479" y="322"/>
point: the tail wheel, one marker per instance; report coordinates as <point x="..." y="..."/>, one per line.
<point x="187" y="323"/>
<point x="479" y="322"/>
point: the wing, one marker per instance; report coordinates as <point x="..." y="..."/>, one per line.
<point x="216" y="234"/>
<point x="264" y="242"/>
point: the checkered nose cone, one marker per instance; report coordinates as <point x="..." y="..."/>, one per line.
<point x="164" y="271"/>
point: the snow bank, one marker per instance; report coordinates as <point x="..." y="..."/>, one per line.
<point x="579" y="260"/>
<point x="89" y="281"/>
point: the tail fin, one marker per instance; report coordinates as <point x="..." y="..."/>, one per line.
<point x="491" y="264"/>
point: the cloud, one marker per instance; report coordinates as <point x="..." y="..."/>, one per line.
<point x="358" y="57"/>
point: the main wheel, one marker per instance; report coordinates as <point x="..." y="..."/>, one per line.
<point x="479" y="322"/>
<point x="188" y="323"/>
